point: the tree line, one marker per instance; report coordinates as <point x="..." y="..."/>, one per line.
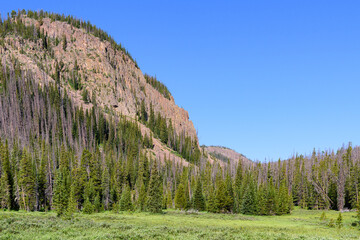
<point x="164" y="130"/>
<point x="55" y="155"/>
<point x="158" y="86"/>
<point x="58" y="156"/>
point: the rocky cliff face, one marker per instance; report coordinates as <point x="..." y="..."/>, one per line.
<point x="226" y="154"/>
<point x="110" y="76"/>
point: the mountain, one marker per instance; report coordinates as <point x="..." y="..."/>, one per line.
<point x="92" y="69"/>
<point x="83" y="129"/>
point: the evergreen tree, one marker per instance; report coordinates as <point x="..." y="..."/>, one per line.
<point x="164" y="201"/>
<point x="249" y="205"/>
<point x="143" y="113"/>
<point x="5" y="197"/>
<point x="79" y="177"/>
<point x="238" y="187"/>
<point x="61" y="187"/>
<point x="125" y="201"/>
<point x="42" y="179"/>
<point x="141" y="201"/>
<point x="61" y="196"/>
<point x="339" y="221"/>
<point x="283" y="206"/>
<point x="88" y="207"/>
<point x="27" y="183"/>
<point x="5" y="179"/>
<point x="180" y="199"/>
<point x="271" y="198"/>
<point x="331" y="223"/>
<point x="262" y="201"/>
<point x="229" y="192"/>
<point x="89" y="196"/>
<point x="72" y="205"/>
<point x="211" y="205"/>
<point x="199" y="201"/>
<point x="97" y="203"/>
<point x="64" y="43"/>
<point x="154" y="196"/>
<point x="169" y="202"/>
<point x="221" y="199"/>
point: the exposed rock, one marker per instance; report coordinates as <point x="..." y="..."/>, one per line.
<point x="226" y="154"/>
<point x="109" y="75"/>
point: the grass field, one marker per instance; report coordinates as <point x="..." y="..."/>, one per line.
<point x="301" y="224"/>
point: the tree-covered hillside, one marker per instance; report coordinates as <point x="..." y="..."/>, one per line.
<point x="58" y="152"/>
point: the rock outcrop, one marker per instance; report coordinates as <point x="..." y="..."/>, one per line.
<point x="225" y="154"/>
<point x="109" y="75"/>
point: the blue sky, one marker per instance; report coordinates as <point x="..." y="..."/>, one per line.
<point x="266" y="78"/>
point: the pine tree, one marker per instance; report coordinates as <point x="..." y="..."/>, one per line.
<point x="163" y="130"/>
<point x="78" y="185"/>
<point x="85" y="96"/>
<point x="164" y="201"/>
<point x="5" y="197"/>
<point x="180" y="199"/>
<point x="64" y="43"/>
<point x="152" y="118"/>
<point x="169" y="202"/>
<point x="271" y="198"/>
<point x="89" y="193"/>
<point x="27" y="183"/>
<point x="5" y="179"/>
<point x="262" y="201"/>
<point x="283" y="206"/>
<point x="339" y="221"/>
<point x="211" y="205"/>
<point x="61" y="195"/>
<point x="141" y="201"/>
<point x="199" y="201"/>
<point x="88" y="207"/>
<point x="229" y="192"/>
<point x="72" y="204"/>
<point x="143" y="113"/>
<point x="238" y="187"/>
<point x="154" y="196"/>
<point x="41" y="178"/>
<point x="249" y="205"/>
<point x="221" y="200"/>
<point x="187" y="195"/>
<point x="95" y="171"/>
<point x="61" y="187"/>
<point x="125" y="201"/>
<point x="97" y="203"/>
<point x="331" y="223"/>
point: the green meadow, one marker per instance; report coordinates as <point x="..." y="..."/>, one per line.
<point x="301" y="224"/>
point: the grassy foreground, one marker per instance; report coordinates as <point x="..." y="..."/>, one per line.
<point x="301" y="224"/>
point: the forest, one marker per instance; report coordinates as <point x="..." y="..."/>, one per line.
<point x="58" y="156"/>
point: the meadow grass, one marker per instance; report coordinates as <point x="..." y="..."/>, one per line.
<point x="301" y="224"/>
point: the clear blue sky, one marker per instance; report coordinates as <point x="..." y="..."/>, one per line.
<point x="266" y="78"/>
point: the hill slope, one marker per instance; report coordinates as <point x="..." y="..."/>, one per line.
<point x="82" y="129"/>
<point x="92" y="69"/>
<point x="226" y="154"/>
